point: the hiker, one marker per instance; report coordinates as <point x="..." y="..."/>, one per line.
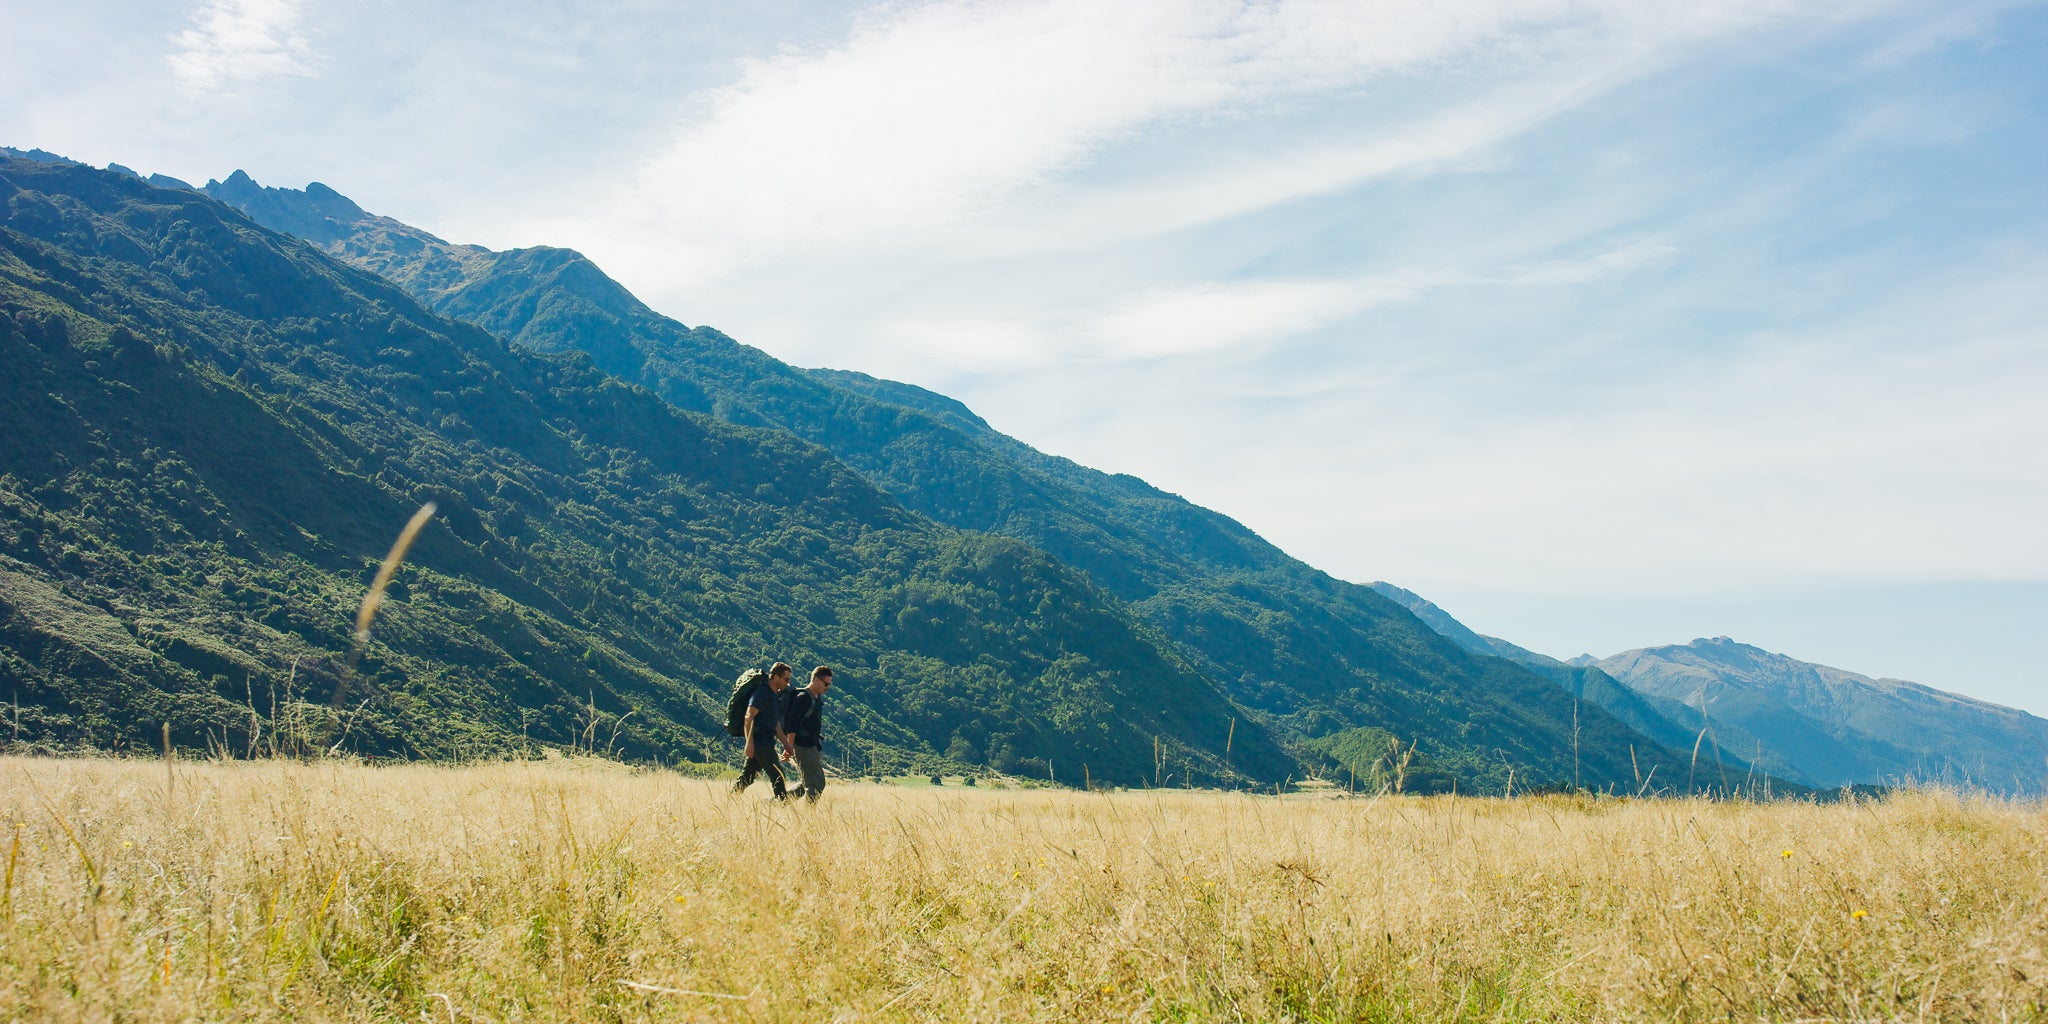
<point x="764" y="733"/>
<point x="804" y="719"/>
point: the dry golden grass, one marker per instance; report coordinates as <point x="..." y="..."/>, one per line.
<point x="581" y="891"/>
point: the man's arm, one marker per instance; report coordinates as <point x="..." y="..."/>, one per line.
<point x="798" y="705"/>
<point x="751" y="712"/>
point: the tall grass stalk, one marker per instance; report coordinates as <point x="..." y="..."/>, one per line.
<point x="366" y="614"/>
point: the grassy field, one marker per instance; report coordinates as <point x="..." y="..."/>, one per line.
<point x="558" y="891"/>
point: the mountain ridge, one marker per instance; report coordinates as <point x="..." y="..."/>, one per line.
<point x="1812" y="724"/>
<point x="1665" y="721"/>
<point x="1331" y="664"/>
<point x="219" y="429"/>
<point x="1881" y="730"/>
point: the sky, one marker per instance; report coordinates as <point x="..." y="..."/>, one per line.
<point x="1601" y="323"/>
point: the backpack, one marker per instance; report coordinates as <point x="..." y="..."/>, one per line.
<point x="742" y="692"/>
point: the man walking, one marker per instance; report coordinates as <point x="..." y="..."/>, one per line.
<point x="805" y="723"/>
<point x="765" y="734"/>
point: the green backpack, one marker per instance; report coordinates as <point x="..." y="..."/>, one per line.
<point x="742" y="692"/>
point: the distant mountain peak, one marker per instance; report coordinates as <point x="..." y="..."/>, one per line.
<point x="41" y="156"/>
<point x="1836" y="727"/>
<point x="317" y="214"/>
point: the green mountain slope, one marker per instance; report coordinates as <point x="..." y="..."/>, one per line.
<point x="1333" y="665"/>
<point x="1841" y="728"/>
<point x="214" y="431"/>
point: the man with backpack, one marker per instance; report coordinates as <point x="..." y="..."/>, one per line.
<point x="804" y="718"/>
<point x="763" y="729"/>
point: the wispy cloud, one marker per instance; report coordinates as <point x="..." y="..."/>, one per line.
<point x="235" y="42"/>
<point x="1831" y="456"/>
<point x="1236" y="318"/>
<point x="963" y="125"/>
<point x="1225" y="314"/>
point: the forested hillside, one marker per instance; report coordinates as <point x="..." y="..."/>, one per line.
<point x="1339" y="670"/>
<point x="214" y="431"/>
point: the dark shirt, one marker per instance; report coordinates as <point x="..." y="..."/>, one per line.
<point x="804" y="718"/>
<point x="767" y="706"/>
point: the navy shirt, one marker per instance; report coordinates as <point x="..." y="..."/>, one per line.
<point x="804" y="718"/>
<point x="767" y="705"/>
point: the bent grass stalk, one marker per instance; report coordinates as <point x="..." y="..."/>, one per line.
<point x="367" y="614"/>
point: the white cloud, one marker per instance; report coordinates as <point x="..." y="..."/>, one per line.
<point x="1235" y="319"/>
<point x="1903" y="444"/>
<point x="1221" y="315"/>
<point x="234" y="42"/>
<point x="1960" y="22"/>
<point x="968" y="126"/>
<point x="979" y="345"/>
<point x="1621" y="259"/>
<point x="1240" y="183"/>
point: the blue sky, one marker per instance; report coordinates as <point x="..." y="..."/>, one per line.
<point x="1601" y="324"/>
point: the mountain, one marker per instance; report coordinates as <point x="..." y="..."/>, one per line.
<point x="1668" y="722"/>
<point x="1459" y="633"/>
<point x="36" y="156"/>
<point x="45" y="157"/>
<point x="1838" y="728"/>
<point x="1808" y="724"/>
<point x="214" y="431"/>
<point x="1338" y="670"/>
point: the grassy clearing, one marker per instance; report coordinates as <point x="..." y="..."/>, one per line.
<point x="556" y="891"/>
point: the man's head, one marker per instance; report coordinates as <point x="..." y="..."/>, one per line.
<point x="778" y="675"/>
<point x="821" y="679"/>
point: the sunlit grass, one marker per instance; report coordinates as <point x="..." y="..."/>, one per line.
<point x="579" y="890"/>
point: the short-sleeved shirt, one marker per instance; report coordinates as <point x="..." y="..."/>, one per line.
<point x="804" y="718"/>
<point x="767" y="705"/>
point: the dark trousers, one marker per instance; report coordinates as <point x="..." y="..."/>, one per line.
<point x="763" y="763"/>
<point x="811" y="762"/>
